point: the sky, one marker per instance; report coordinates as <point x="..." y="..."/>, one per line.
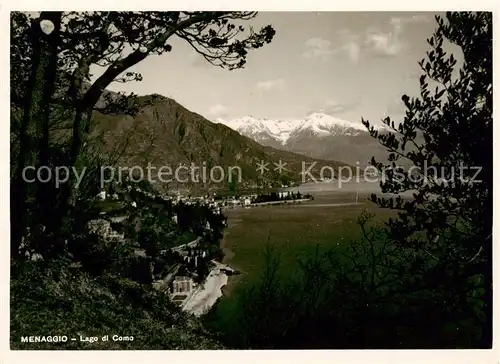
<point x="350" y="65"/>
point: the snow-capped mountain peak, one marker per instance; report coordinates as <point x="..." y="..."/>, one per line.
<point x="318" y="124"/>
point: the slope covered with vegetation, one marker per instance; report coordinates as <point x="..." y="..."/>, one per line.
<point x="67" y="279"/>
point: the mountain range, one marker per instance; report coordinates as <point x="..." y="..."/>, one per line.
<point x="164" y="133"/>
<point x="318" y="135"/>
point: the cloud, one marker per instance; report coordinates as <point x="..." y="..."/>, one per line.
<point x="417" y="18"/>
<point x="270" y="84"/>
<point x="349" y="44"/>
<point x="333" y="107"/>
<point x="217" y="110"/>
<point x="390" y="43"/>
<point x="376" y="42"/>
<point x="385" y="44"/>
<point x="351" y="48"/>
<point x="318" y="48"/>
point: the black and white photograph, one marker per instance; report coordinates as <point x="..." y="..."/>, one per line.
<point x="251" y="180"/>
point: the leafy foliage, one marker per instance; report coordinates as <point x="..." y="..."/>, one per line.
<point x="449" y="221"/>
<point x="424" y="279"/>
<point x="80" y="282"/>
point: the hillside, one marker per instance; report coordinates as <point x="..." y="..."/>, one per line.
<point x="164" y="133"/>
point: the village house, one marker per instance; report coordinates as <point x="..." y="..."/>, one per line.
<point x="99" y="226"/>
<point x="101" y="195"/>
<point x="140" y="253"/>
<point x="283" y="194"/>
<point x="118" y="218"/>
<point x="115" y="236"/>
<point x="103" y="228"/>
<point x="182" y="285"/>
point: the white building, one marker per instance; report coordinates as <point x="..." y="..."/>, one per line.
<point x="103" y="228"/>
<point x="114" y="235"/>
<point x="36" y="256"/>
<point x="182" y="285"/>
<point x="99" y="226"/>
<point x="283" y="194"/>
<point x="101" y="195"/>
<point x="247" y="201"/>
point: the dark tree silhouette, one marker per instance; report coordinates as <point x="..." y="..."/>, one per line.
<point x="60" y="64"/>
<point x="53" y="100"/>
<point x="424" y="279"/>
<point x="448" y="222"/>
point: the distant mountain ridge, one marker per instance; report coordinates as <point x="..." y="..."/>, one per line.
<point x="318" y="135"/>
<point x="282" y="130"/>
<point x="166" y="133"/>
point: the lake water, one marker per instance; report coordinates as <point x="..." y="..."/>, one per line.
<point x="348" y="190"/>
<point x="362" y="189"/>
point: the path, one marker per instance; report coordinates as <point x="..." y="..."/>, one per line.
<point x="330" y="204"/>
<point x="191" y="244"/>
<point x="205" y="297"/>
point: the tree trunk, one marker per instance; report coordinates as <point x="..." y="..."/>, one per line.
<point x="29" y="138"/>
<point x="68" y="197"/>
<point x="44" y="197"/>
